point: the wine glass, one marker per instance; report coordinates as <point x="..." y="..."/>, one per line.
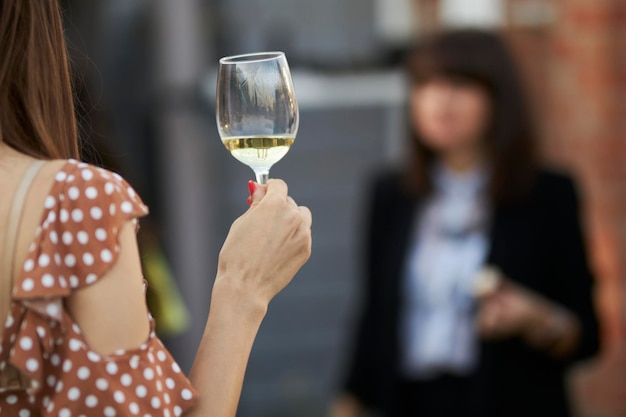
<point x="257" y="112"/>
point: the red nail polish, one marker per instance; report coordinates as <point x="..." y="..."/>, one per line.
<point x="251" y="187"/>
<point x="249" y="201"/>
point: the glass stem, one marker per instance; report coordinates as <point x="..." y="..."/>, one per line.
<point x="262" y="176"/>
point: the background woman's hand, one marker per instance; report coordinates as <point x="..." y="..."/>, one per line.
<point x="509" y="310"/>
<point x="267" y="245"/>
<point x="512" y="310"/>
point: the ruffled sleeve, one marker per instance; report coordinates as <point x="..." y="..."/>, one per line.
<point x="77" y="241"/>
<point x="75" y="244"/>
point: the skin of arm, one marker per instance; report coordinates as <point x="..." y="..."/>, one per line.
<point x="247" y="279"/>
<point x="125" y="326"/>
<point x="222" y="357"/>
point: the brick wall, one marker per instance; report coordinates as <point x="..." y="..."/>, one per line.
<point x="576" y="70"/>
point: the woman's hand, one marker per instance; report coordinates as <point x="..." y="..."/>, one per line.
<point x="267" y="245"/>
<point x="263" y="251"/>
<point x="508" y="310"/>
<point x="512" y="310"/>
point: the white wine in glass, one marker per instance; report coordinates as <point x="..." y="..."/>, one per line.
<point x="257" y="112"/>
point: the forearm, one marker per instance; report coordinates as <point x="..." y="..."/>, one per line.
<point x="220" y="364"/>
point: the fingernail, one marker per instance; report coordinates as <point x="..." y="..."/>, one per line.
<point x="251" y="187"/>
<point x="249" y="201"/>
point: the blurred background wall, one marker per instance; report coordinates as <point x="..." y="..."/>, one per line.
<point x="575" y="65"/>
<point x="146" y="72"/>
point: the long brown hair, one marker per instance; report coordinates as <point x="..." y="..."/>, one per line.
<point x="36" y="103"/>
<point x="483" y="59"/>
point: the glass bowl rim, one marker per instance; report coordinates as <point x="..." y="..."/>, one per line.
<point x="251" y="58"/>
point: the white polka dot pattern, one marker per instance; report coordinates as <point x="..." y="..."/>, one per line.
<point x="79" y="234"/>
<point x="75" y="245"/>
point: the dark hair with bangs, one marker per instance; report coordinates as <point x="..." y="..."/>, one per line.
<point x="479" y="57"/>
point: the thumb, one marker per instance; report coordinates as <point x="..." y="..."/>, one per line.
<point x="257" y="192"/>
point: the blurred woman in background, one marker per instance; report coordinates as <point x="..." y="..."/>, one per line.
<point x="478" y="295"/>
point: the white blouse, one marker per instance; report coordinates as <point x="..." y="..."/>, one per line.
<point x="449" y="246"/>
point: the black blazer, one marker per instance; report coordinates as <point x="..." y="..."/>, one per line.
<point x="537" y="242"/>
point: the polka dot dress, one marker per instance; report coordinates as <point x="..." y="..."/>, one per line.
<point x="75" y="245"/>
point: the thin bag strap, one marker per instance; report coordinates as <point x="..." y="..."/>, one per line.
<point x="10" y="378"/>
<point x="15" y="217"/>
